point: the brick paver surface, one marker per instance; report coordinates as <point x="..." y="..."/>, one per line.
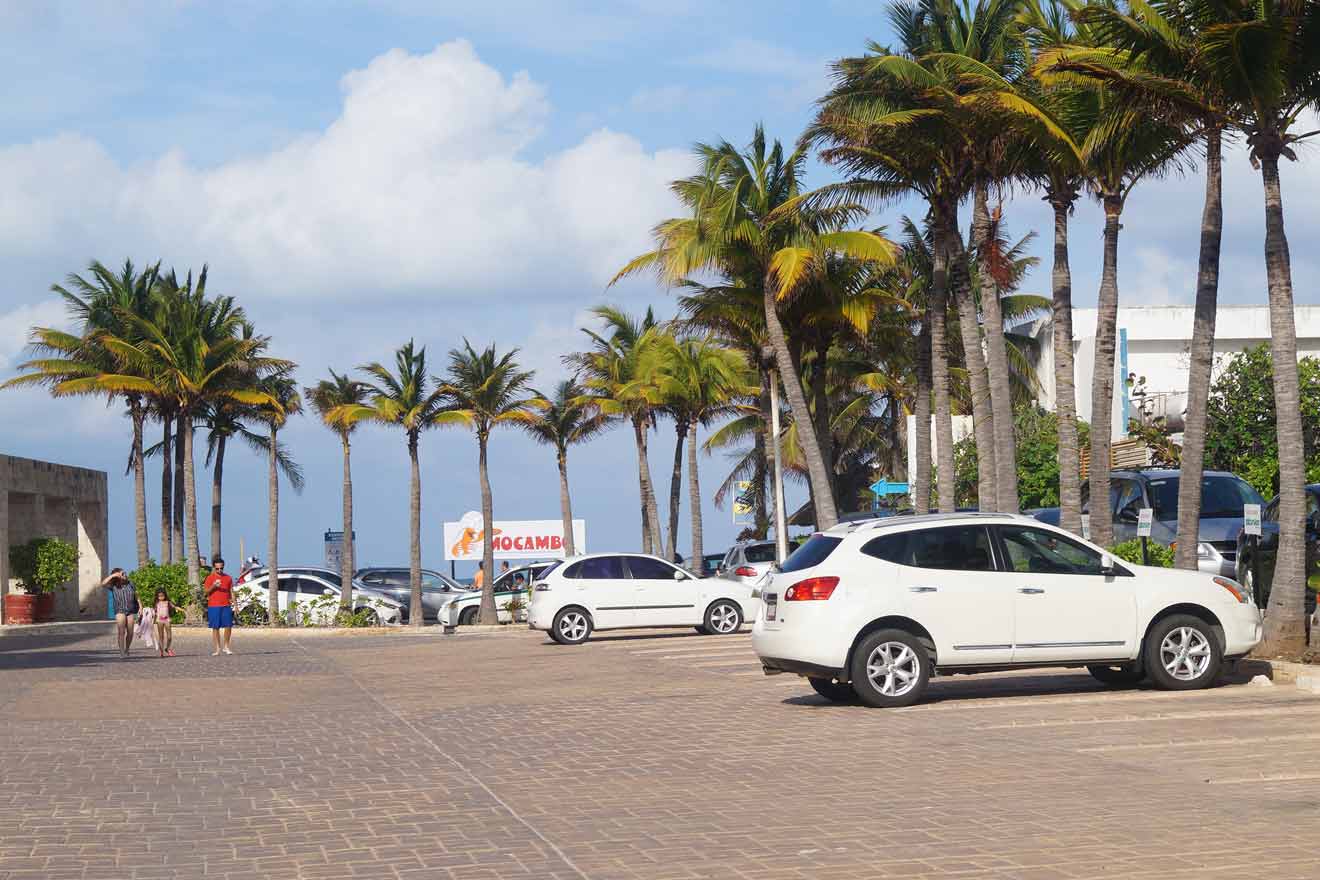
<point x="659" y="755"/>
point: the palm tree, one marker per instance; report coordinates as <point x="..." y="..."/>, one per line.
<point x="411" y="399"/>
<point x="341" y="403"/>
<point x="610" y="370"/>
<point x="486" y="390"/>
<point x="284" y="401"/>
<point x="225" y="420"/>
<point x="101" y="305"/>
<point x="561" y="420"/>
<point x="751" y="219"/>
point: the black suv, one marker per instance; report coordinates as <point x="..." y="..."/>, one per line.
<point x="1268" y="546"/>
<point x="1222" y="497"/>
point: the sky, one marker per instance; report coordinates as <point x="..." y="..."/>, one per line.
<point x="361" y="173"/>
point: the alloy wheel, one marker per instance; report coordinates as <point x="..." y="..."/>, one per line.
<point x="1185" y="653"/>
<point x="573" y="626"/>
<point x="724" y="618"/>
<point x="893" y="668"/>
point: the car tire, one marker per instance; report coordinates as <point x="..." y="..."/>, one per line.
<point x="724" y="617"/>
<point x="1118" y="676"/>
<point x="1182" y="653"/>
<point x="834" y="691"/>
<point x="468" y="616"/>
<point x="899" y="673"/>
<point x="572" y="626"/>
<point x="702" y="629"/>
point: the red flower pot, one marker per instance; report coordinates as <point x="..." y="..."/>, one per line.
<point x="27" y="608"/>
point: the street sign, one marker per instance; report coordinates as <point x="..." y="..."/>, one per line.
<point x="885" y="487"/>
<point x="1251" y="519"/>
<point x="1086" y="526"/>
<point x="1145" y="518"/>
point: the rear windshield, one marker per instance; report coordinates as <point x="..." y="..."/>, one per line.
<point x="765" y="552"/>
<point x="1220" y="497"/>
<point x="811" y="554"/>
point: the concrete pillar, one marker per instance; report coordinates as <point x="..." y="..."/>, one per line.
<point x="4" y="547"/>
<point x="92" y="548"/>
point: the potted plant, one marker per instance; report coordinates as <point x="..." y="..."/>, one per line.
<point x="40" y="566"/>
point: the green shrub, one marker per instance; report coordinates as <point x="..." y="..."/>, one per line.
<point x="173" y="578"/>
<point x="43" y="564"/>
<point x="1160" y="556"/>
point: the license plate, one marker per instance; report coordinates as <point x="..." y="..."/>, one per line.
<point x="771" y="605"/>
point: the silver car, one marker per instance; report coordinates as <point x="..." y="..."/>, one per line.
<point x="438" y="590"/>
<point x="748" y="561"/>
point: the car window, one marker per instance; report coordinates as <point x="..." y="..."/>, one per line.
<point x="1221" y="496"/>
<point x="953" y="548"/>
<point x="1036" y="550"/>
<point x="815" y="551"/>
<point x="759" y="552"/>
<point x="286" y="584"/>
<point x="1271" y="512"/>
<point x="1124" y="494"/>
<point x="309" y="587"/>
<point x="609" y="567"/>
<point x="647" y="569"/>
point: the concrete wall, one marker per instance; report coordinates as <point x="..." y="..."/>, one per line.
<point x="40" y="499"/>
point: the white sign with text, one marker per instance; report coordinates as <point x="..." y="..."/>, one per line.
<point x="511" y="539"/>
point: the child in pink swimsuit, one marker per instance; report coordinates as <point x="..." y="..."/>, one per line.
<point x="164" y="632"/>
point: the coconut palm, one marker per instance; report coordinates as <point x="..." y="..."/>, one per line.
<point x="100" y="304"/>
<point x="412" y="400"/>
<point x="563" y="419"/>
<point x="752" y="219"/>
<point x="341" y="404"/>
<point x="284" y="401"/>
<point x="485" y="390"/>
<point x="609" y="367"/>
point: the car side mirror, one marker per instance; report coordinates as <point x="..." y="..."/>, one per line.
<point x="327" y="592"/>
<point x="679" y="576"/>
<point x="1128" y="515"/>
<point x="1107" y="564"/>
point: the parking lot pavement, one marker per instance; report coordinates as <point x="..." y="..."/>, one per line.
<point x="653" y="755"/>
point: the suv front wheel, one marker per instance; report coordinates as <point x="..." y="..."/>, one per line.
<point x="1182" y="653"/>
<point x="890" y="668"/>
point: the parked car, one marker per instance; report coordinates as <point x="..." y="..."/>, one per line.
<point x="1222" y="497"/>
<point x="303" y="590"/>
<point x="871" y="610"/>
<point x="710" y="564"/>
<point x="438" y="590"/>
<point x="623" y="590"/>
<point x="1268" y="546"/>
<point x="514" y="584"/>
<point x="748" y="561"/>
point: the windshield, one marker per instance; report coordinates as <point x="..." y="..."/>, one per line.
<point x="810" y="554"/>
<point x="765" y="552"/>
<point x="1221" y="496"/>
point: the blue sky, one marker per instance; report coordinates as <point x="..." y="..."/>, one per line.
<point x="357" y="173"/>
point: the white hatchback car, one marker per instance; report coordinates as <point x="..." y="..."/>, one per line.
<point x="623" y="590"/>
<point x="872" y="609"/>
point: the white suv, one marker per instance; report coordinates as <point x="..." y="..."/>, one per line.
<point x="622" y="590"/>
<point x="872" y="609"/>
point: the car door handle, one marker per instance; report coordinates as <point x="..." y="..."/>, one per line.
<point x="1031" y="591"/>
<point x="923" y="589"/>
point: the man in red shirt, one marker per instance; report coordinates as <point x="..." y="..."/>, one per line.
<point x="219" y="588"/>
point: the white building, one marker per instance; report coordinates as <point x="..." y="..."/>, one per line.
<point x="1153" y="343"/>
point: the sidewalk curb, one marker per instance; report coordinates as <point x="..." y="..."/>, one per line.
<point x="67" y="627"/>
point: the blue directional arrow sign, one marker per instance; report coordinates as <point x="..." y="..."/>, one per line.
<point x="885" y="487"/>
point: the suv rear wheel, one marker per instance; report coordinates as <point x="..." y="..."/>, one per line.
<point x="890" y="668"/>
<point x="1182" y="653"/>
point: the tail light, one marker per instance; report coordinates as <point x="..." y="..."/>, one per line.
<point x="745" y="571"/>
<point x="541" y="587"/>
<point x="811" y="588"/>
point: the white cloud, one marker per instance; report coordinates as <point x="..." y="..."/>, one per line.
<point x="422" y="183"/>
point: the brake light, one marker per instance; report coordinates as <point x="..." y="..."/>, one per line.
<point x="541" y="587"/>
<point x="811" y="589"/>
<point x="1233" y="587"/>
<point x="745" y="571"/>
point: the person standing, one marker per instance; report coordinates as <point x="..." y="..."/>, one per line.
<point x="479" y="579"/>
<point x="164" y="627"/>
<point x="124" y="597"/>
<point x="219" y="588"/>
<point x="504" y="567"/>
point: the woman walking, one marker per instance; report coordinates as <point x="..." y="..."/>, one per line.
<point x="125" y="602"/>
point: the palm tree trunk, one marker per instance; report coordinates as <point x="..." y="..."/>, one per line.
<point x="179" y="535"/>
<point x="217" y="493"/>
<point x="969" y="327"/>
<point x="675" y="488"/>
<point x="415" y="534"/>
<point x="921" y="418"/>
<point x="820" y="406"/>
<point x="139" y="415"/>
<point x="696" y="563"/>
<point x="566" y="503"/>
<point x="192" y="551"/>
<point x="1065" y="395"/>
<point x="167" y="490"/>
<point x="1202" y="356"/>
<point x="822" y="495"/>
<point x="1285" y="616"/>
<point x="761" y="466"/>
<point x="347" y="563"/>
<point x="1102" y="383"/>
<point x="1001" y="399"/>
<point x="488" y="614"/>
<point x="946" y="476"/>
<point x="651" y="536"/>
<point x="273" y="528"/>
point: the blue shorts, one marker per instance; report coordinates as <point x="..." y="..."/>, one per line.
<point x="220" y="617"/>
